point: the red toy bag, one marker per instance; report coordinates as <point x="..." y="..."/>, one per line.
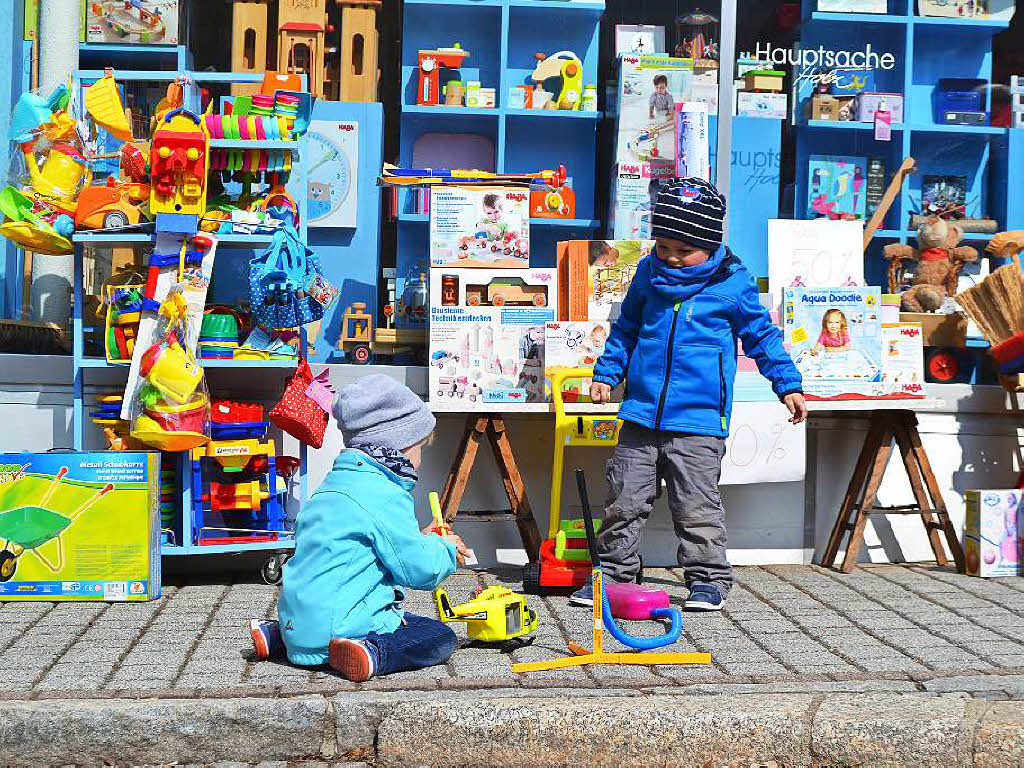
<point x="298" y="414"/>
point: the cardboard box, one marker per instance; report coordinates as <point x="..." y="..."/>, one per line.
<point x="960" y="9"/>
<point x="992" y="541"/>
<point x="487" y="337"/>
<point x="80" y="526"/>
<point x="594" y="276"/>
<point x="575" y="344"/>
<point x="146" y="22"/>
<point x="869" y="103"/>
<point x="949" y="330"/>
<point x="826" y="107"/>
<point x="853" y="6"/>
<point x="761" y="80"/>
<point x="639" y="39"/>
<point x="650" y="87"/>
<point x="772" y="105"/>
<point x="845" y="372"/>
<point x="693" y="150"/>
<point x="634" y="190"/>
<point x="486" y="227"/>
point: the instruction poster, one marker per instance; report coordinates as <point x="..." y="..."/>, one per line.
<point x="486" y="227"/>
<point x="333" y="157"/>
<point x="836" y="340"/>
<point x="903" y="360"/>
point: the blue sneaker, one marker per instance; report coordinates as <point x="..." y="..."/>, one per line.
<point x="356" y="660"/>
<point x="583" y="596"/>
<point x="266" y="639"/>
<point x="704" y="597"/>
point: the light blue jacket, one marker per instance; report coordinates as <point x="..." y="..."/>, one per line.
<point x="357" y="544"/>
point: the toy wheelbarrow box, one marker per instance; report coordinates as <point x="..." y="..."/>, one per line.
<point x="80" y="526"/>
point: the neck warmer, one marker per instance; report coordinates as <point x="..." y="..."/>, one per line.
<point x="390" y="458"/>
<point x="682" y="283"/>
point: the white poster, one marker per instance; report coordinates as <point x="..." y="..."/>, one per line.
<point x="332" y="152"/>
<point x="814" y="254"/>
<point x="763" y="447"/>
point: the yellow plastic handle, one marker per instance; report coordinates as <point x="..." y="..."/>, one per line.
<point x="435" y="512"/>
<point x="556" y="385"/>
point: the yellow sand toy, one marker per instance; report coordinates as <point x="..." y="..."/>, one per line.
<point x="103" y="102"/>
<point x="496" y="615"/>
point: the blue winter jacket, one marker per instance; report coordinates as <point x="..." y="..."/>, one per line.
<point x="674" y="343"/>
<point x="357" y="544"/>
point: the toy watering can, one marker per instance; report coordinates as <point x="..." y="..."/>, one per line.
<point x="171" y="371"/>
<point x="60" y="175"/>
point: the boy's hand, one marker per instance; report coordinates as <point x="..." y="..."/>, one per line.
<point x="600" y="393"/>
<point x="797" y="407"/>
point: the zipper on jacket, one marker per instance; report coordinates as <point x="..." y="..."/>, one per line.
<point x="721" y="395"/>
<point x="668" y="365"/>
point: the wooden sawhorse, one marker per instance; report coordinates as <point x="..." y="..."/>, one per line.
<point x="859" y="502"/>
<point x="493" y="427"/>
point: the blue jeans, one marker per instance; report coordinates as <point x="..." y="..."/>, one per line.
<point x="418" y="642"/>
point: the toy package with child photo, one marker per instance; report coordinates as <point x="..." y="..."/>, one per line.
<point x="140" y="22"/>
<point x="836" y="340"/>
<point x="487" y="337"/>
<point x="576" y="344"/>
<point x="487" y="227"/>
<point x="992" y="533"/>
<point x="650" y="87"/>
<point x="595" y="275"/>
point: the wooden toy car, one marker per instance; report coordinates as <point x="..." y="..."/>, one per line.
<point x="507" y="290"/>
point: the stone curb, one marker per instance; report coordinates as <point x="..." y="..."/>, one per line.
<point x="515" y="728"/>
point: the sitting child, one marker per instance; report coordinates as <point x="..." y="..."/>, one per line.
<point x="358" y="545"/>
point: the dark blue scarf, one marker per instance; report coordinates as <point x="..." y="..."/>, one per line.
<point x="682" y="283"/>
<point x="392" y="459"/>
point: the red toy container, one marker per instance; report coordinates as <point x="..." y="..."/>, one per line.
<point x="190" y="417"/>
<point x="230" y="412"/>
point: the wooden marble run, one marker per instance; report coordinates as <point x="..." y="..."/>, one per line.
<point x="333" y="42"/>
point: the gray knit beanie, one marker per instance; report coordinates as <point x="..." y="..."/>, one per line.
<point x="378" y="410"/>
<point x="691" y="210"/>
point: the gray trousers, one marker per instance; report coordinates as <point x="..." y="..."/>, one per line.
<point x="691" y="466"/>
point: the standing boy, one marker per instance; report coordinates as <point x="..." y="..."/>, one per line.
<point x="674" y="345"/>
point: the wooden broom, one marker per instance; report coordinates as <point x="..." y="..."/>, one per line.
<point x="996" y="305"/>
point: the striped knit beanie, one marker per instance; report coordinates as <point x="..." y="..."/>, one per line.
<point x="690" y="210"/>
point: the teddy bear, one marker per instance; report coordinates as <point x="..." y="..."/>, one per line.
<point x="939" y="261"/>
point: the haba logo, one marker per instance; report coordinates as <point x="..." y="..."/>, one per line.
<point x="628" y="168"/>
<point x="912" y="389"/>
<point x="540" y="277"/>
<point x="347" y="127"/>
<point x="516" y="197"/>
<point x="911" y="332"/>
<point x="9" y="473"/>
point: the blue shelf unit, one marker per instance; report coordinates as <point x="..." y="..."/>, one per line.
<point x="925" y="50"/>
<point x="230" y="267"/>
<point x="501" y="37"/>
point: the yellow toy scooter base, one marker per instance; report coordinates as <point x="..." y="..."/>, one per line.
<point x="32" y="238"/>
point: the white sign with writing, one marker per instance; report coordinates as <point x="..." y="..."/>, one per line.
<point x="814" y="254"/>
<point x="763" y="447"/>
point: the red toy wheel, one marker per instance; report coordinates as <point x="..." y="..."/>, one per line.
<point x="944" y="367"/>
<point x="361" y="354"/>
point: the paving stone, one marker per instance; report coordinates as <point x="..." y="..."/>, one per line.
<point x="756" y="668"/>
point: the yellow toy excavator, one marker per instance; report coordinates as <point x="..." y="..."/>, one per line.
<point x="496" y="615"/>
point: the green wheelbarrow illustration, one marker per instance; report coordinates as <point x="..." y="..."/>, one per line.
<point x="26" y="529"/>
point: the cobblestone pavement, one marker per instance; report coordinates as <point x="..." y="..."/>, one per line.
<point x="787" y="628"/>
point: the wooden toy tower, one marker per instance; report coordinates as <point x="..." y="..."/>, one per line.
<point x="301" y="28"/>
<point x="358" y="73"/>
<point x="248" y="42"/>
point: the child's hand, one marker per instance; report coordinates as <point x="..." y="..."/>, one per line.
<point x="600" y="393"/>
<point x="797" y="407"/>
<point x="460" y="548"/>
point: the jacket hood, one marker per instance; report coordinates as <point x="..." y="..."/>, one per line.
<point x="677" y="284"/>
